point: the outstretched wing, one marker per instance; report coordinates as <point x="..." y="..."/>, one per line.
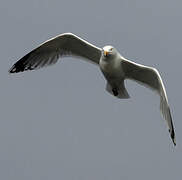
<point x="48" y="53"/>
<point x="151" y="78"/>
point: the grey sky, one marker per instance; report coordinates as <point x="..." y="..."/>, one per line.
<point x="59" y="122"/>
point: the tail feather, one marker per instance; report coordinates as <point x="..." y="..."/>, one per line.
<point x="119" y="92"/>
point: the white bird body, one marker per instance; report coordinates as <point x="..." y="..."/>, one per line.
<point x="111" y="67"/>
<point x="114" y="67"/>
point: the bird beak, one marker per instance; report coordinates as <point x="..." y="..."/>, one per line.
<point x="106" y="53"/>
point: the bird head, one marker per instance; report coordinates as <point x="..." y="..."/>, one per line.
<point x="108" y="51"/>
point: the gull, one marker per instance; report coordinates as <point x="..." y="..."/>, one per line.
<point x="114" y="67"/>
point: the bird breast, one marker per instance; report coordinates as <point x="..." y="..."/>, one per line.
<point x="111" y="66"/>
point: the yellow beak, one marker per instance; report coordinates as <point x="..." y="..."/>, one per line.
<point x="106" y="53"/>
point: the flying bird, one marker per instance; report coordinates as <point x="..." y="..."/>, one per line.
<point x="114" y="67"/>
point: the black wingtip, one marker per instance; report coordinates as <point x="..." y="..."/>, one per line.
<point x="173" y="137"/>
<point x="16" y="69"/>
<point x="174" y="141"/>
<point x="21" y="65"/>
<point x="12" y="69"/>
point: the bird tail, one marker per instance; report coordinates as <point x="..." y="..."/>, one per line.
<point x="119" y="92"/>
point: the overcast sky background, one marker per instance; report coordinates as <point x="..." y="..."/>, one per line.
<point x="59" y="122"/>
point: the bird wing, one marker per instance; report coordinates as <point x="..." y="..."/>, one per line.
<point x="48" y="53"/>
<point x="151" y="78"/>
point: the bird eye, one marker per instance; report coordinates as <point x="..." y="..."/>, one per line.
<point x="111" y="49"/>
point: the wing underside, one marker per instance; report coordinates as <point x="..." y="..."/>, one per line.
<point x="49" y="52"/>
<point x="151" y="78"/>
